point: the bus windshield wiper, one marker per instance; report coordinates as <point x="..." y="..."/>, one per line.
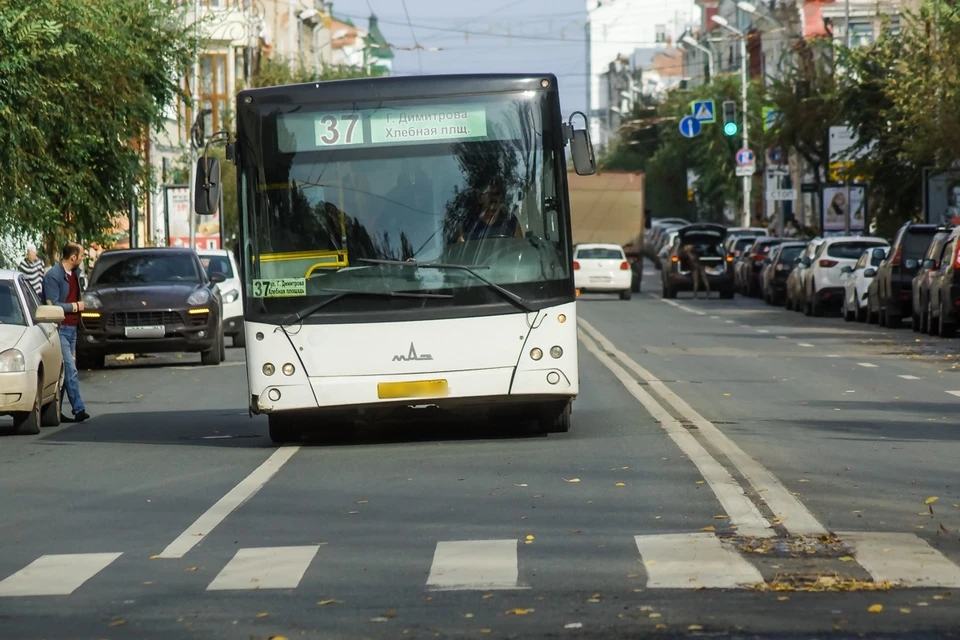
<point x="343" y="293"/>
<point x="509" y="295"/>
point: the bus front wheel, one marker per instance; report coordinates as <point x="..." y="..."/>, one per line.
<point x="282" y="429"/>
<point x="553" y="422"/>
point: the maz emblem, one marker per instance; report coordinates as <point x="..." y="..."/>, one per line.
<point x="412" y="355"/>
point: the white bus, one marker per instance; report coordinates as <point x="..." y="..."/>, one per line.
<point x="406" y="249"/>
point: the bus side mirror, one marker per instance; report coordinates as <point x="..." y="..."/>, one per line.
<point x="206" y="199"/>
<point x="584" y="161"/>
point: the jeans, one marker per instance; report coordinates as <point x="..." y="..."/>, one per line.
<point x="71" y="379"/>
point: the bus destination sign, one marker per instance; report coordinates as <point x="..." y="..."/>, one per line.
<point x="415" y="124"/>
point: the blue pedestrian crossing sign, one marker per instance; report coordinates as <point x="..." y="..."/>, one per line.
<point x="705" y="112"/>
<point x="689" y="127"/>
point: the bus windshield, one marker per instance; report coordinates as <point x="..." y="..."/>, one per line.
<point x="351" y="198"/>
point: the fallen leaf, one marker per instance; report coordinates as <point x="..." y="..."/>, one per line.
<point x="351" y="513"/>
<point x="931" y="500"/>
<point x="518" y="612"/>
<point x="657" y="517"/>
<point x="593" y="600"/>
<point x="620" y="484"/>
<point x="469" y="615"/>
<point x="487" y="596"/>
<point x="699" y="482"/>
<point x="938" y="597"/>
<point x="361" y="502"/>
<point x="661" y="626"/>
<point x="944" y="529"/>
<point x="117" y="623"/>
<point x="390" y="614"/>
<point x="719" y="517"/>
<point x="485" y="630"/>
<point x="694" y="627"/>
<point x="631" y="576"/>
<point x="654" y="615"/>
<point x="520" y="485"/>
<point x="379" y="619"/>
<point x="571" y="479"/>
<point x="846" y="559"/>
<point x="261" y="615"/>
<point x="147" y="582"/>
<point x="138" y="396"/>
<point x="803" y="480"/>
<point x="573" y="625"/>
<point x="727" y="395"/>
<point x="708" y="529"/>
<point x="923" y="604"/>
<point x="191" y="568"/>
<point x="529" y="537"/>
<point x="154" y="557"/>
<point x="876" y="608"/>
<point x="782" y="598"/>
<point x="324" y="603"/>
<point x="624" y="468"/>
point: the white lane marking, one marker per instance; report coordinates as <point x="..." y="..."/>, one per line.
<point x="795" y="517"/>
<point x="464" y="565"/>
<point x="908" y="377"/>
<point x="954" y="393"/>
<point x="743" y="513"/>
<point x="225" y="505"/>
<point x="676" y="304"/>
<point x="55" y="575"/>
<point x="265" y="568"/>
<point x="763" y="331"/>
<point x="832" y="355"/>
<point x="804" y="344"/>
<point x="868" y="365"/>
<point x="693" y="560"/>
<point x="714" y="317"/>
<point x="729" y="321"/>
<point x="781" y="337"/>
<point x="902" y="558"/>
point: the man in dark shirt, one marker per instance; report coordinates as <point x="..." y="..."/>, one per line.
<point x="61" y="287"/>
<point x="494" y="220"/>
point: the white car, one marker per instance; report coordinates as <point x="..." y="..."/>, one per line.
<point x="31" y="363"/>
<point x="602" y="268"/>
<point x="857" y="282"/>
<point x="222" y="261"/>
<point x="825" y="280"/>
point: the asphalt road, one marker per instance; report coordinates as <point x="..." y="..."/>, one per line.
<point x="725" y="456"/>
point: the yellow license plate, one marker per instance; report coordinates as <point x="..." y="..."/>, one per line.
<point x="418" y="389"/>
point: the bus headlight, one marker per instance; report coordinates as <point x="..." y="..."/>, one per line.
<point x="536" y="354"/>
<point x="288" y="369"/>
<point x="556" y="352"/>
<point x="269" y="369"/>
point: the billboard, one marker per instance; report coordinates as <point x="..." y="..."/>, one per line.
<point x="943" y="197"/>
<point x="835" y="209"/>
<point x="178" y="216"/>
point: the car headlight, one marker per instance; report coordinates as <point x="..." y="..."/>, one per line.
<point x="92" y="301"/>
<point x="231" y="296"/>
<point x="201" y="296"/>
<point x="12" y="361"/>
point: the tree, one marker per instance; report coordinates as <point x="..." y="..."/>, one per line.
<point x="81" y="85"/>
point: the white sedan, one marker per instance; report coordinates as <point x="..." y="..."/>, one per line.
<point x="858" y="279"/>
<point x="602" y="268"/>
<point x="31" y="363"/>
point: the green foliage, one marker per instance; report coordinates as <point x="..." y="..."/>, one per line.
<point x="277" y="70"/>
<point x="81" y="85"/>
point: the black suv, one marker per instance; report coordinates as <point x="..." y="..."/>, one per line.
<point x="894" y="282"/>
<point x="707" y="240"/>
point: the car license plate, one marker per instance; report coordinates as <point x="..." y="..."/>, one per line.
<point x="144" y="332"/>
<point x="600" y="279"/>
<point x="417" y="389"/>
<point x="714" y="271"/>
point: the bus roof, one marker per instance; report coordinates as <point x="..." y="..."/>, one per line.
<point x="400" y="87"/>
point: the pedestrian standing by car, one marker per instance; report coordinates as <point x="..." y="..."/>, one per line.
<point x="61" y="287"/>
<point x="697" y="272"/>
<point x="32" y="269"/>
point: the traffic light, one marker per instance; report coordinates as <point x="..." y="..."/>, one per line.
<point x="730" y="127"/>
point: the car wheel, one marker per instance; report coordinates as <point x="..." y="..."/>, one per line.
<point x="240" y="339"/>
<point x="213" y="355"/>
<point x="915" y="322"/>
<point x="50" y="416"/>
<point x="894" y="320"/>
<point x="27" y="423"/>
<point x="861" y="314"/>
<point x="727" y="294"/>
<point x="283" y="430"/>
<point x="947" y="329"/>
<point x="223" y="347"/>
<point x="626" y="295"/>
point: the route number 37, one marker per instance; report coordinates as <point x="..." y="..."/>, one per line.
<point x="337" y="129"/>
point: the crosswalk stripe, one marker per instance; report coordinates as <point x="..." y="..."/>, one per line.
<point x="692" y="561"/>
<point x="55" y="575"/>
<point x="902" y="558"/>
<point x="265" y="568"/>
<point x="908" y="377"/>
<point x="464" y="565"/>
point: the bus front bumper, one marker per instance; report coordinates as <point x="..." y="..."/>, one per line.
<point x="450" y="389"/>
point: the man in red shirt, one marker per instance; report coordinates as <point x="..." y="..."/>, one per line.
<point x="61" y="287"/>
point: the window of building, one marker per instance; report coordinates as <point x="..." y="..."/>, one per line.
<point x="213" y="93"/>
<point x="661" y="32"/>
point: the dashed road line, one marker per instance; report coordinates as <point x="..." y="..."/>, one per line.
<point x="265" y="568"/>
<point x="804" y="344"/>
<point x="55" y="575"/>
<point x="954" y="393"/>
<point x="693" y="561"/>
<point x="908" y="377"/>
<point x="464" y="565"/>
<point x="763" y="331"/>
<point x="868" y="365"/>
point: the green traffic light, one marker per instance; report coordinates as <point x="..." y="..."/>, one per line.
<point x="730" y="128"/>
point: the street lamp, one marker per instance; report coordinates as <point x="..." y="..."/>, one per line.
<point x="720" y="20"/>
<point x="696" y="45"/>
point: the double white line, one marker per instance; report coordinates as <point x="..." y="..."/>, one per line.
<point x="744" y="514"/>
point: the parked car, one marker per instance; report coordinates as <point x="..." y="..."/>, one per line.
<point x="666" y="242"/>
<point x="752" y="263"/>
<point x="223" y="262"/>
<point x="31" y="363"/>
<point x="824" y="284"/>
<point x="797" y="280"/>
<point x="654" y="239"/>
<point x="707" y="240"/>
<point x="920" y="286"/>
<point x="777" y="268"/>
<point x="151" y="301"/>
<point x="943" y="305"/>
<point x="602" y="268"/>
<point x="894" y="289"/>
<point x="858" y="281"/>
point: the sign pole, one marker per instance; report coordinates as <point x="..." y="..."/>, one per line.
<point x="743" y="107"/>
<point x="846" y="37"/>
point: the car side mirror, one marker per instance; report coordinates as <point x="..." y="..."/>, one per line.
<point x="48" y="313"/>
<point x="207" y="189"/>
<point x="805" y="262"/>
<point x="870" y="273"/>
<point x="911" y="264"/>
<point x="217" y="277"/>
<point x="846" y="269"/>
<point x="584" y="162"/>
